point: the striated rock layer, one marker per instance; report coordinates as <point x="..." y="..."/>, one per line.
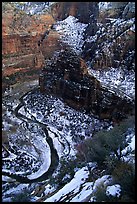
<point x="66" y="76"/>
<point x="21" y="54"/>
<point x="29" y="40"/>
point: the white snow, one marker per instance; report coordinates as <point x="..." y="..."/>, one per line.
<point x="92" y="38"/>
<point x="113" y="190"/>
<point x="132" y="144"/>
<point x="104" y="6"/>
<point x="56" y="141"/>
<point x="10" y="157"/>
<point x="71" y="31"/>
<point x="105" y="180"/>
<point x="72" y="187"/>
<point x="45" y="156"/>
<point x="115" y="80"/>
<point x="71" y="191"/>
<point x="129" y="148"/>
<point x="49" y="189"/>
<point x="78" y="189"/>
<point x="84" y="193"/>
<point x="8" y="179"/>
<point x="72" y="123"/>
<point x="19" y="188"/>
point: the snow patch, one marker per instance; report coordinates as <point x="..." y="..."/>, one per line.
<point x="73" y="186"/>
<point x="45" y="155"/>
<point x="116" y="80"/>
<point x="71" y="32"/>
<point x="113" y="190"/>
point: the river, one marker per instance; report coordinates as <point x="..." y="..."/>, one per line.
<point x="15" y="95"/>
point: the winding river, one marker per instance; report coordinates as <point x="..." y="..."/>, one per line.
<point x="54" y="154"/>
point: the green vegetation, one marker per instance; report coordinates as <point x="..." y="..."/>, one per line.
<point x="105" y="148"/>
<point x="124" y="174"/>
<point x="100" y="193"/>
<point x="23" y="196"/>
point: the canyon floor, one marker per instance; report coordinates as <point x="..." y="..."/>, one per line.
<point x="41" y="134"/>
<point x="46" y="144"/>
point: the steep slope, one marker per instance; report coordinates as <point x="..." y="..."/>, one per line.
<point x="114" y="39"/>
<point x="64" y="76"/>
<point x="63" y="139"/>
<point x="80" y="10"/>
<point x="20" y="36"/>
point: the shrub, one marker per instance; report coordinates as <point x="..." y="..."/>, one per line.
<point x="100" y="193"/>
<point x="110" y="162"/>
<point x="66" y="172"/>
<point x="124" y="174"/>
<point x="23" y="196"/>
<point x="104" y="144"/>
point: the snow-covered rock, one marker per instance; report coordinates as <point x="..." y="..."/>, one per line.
<point x="71" y="32"/>
<point x="114" y="190"/>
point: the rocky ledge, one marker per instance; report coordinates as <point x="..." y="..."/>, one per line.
<point x="21" y="54"/>
<point x="66" y="75"/>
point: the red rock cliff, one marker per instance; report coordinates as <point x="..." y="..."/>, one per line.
<point x="20" y="35"/>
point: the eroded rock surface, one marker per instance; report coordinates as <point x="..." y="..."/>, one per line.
<point x="65" y="76"/>
<point x="22" y="56"/>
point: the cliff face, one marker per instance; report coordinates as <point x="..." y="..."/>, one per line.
<point x="21" y="52"/>
<point x="113" y="42"/>
<point x="20" y="49"/>
<point x="24" y="37"/>
<point x="108" y="42"/>
<point x="109" y="38"/>
<point x="85" y="12"/>
<point x="124" y="10"/>
<point x="63" y="74"/>
<point x="66" y="76"/>
<point x="80" y="10"/>
<point x="21" y="32"/>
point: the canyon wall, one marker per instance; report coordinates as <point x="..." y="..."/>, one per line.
<point x="65" y="75"/>
<point x="109" y="41"/>
<point x="80" y="10"/>
<point x="113" y="42"/>
<point x="22" y="57"/>
<point x="109" y="38"/>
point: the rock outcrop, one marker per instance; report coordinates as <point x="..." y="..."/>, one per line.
<point x="80" y="10"/>
<point x="85" y="12"/>
<point x="30" y="40"/>
<point x="113" y="43"/>
<point x="66" y="76"/>
<point x="109" y="38"/>
<point x="20" y="49"/>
